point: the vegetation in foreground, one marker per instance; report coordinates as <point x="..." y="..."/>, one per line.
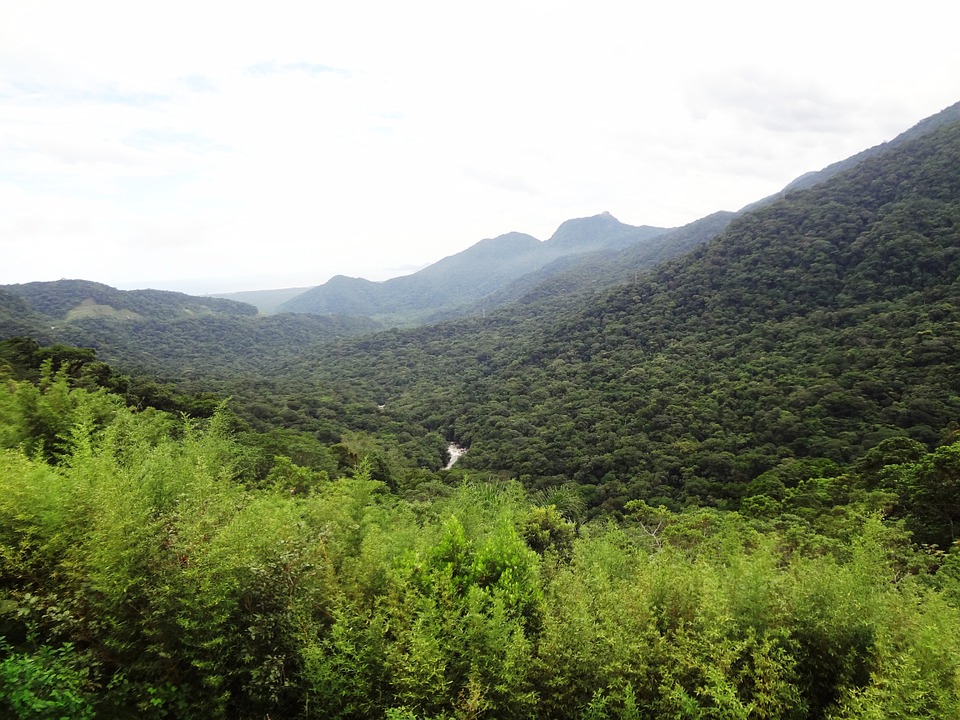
<point x="145" y="572"/>
<point x="736" y="497"/>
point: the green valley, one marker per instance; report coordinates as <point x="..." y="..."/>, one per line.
<point x="708" y="472"/>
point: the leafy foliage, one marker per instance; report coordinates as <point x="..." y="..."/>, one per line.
<point x="734" y="488"/>
<point x="143" y="574"/>
<point x="814" y="327"/>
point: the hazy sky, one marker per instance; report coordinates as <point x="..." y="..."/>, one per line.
<point x="206" y="147"/>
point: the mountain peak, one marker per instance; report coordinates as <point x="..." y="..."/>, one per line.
<point x="597" y="232"/>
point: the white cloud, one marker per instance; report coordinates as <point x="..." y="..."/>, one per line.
<point x="201" y="140"/>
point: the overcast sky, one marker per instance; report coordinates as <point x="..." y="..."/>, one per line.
<point x="205" y="147"/>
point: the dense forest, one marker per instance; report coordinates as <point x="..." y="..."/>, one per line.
<point x="810" y="329"/>
<point x="725" y="485"/>
<point x="147" y="571"/>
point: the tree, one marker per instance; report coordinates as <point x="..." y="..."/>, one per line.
<point x="931" y="490"/>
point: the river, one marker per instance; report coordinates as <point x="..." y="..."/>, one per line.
<point x="456" y="452"/>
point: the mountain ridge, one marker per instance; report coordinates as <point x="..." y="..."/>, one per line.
<point x="57" y="299"/>
<point x="455" y="283"/>
<point x="811" y="329"/>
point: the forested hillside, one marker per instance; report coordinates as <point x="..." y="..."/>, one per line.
<point x="564" y="283"/>
<point x="66" y="300"/>
<point x="147" y="572"/>
<point x="811" y="329"/>
<point x="722" y="486"/>
<point x="161" y="332"/>
<point x="946" y="116"/>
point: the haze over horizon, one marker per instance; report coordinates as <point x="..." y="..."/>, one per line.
<point x="207" y="149"/>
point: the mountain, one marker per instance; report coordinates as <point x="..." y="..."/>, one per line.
<point x="810" y="330"/>
<point x="727" y="486"/>
<point x="17" y="317"/>
<point x="455" y="284"/>
<point x="67" y="300"/>
<point x="582" y="257"/>
<point x="161" y="332"/>
<point x="946" y="116"/>
<point x="564" y="283"/>
<point x="598" y="232"/>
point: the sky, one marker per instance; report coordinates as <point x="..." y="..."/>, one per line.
<point x="210" y="146"/>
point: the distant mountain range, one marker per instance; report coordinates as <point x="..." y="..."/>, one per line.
<point x="583" y="256"/>
<point x="68" y="300"/>
<point x="156" y="330"/>
<point x="458" y="283"/>
<point x="812" y="329"/>
<point x="720" y="484"/>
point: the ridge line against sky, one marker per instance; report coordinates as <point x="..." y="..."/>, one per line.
<point x="205" y="148"/>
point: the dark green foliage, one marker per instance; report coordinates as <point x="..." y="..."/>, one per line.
<point x="44" y="683"/>
<point x="17" y="317"/>
<point x="736" y="494"/>
<point x="21" y="356"/>
<point x="58" y="299"/>
<point x="930" y="492"/>
<point x="813" y="328"/>
<point x="144" y="576"/>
